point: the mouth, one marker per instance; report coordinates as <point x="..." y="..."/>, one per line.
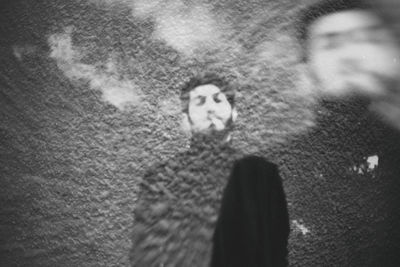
<point x="216" y="123"/>
<point x="348" y="71"/>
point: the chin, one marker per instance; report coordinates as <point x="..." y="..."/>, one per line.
<point x="336" y="89"/>
<point x="220" y="129"/>
<point x="214" y="130"/>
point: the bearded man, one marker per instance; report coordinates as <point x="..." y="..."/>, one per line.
<point x="179" y="218"/>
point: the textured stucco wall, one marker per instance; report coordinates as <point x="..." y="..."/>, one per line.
<point x="89" y="101"/>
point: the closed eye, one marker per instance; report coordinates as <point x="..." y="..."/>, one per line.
<point x="330" y="41"/>
<point x="217" y="98"/>
<point x="200" y="100"/>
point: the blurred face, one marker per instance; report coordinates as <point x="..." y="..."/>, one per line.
<point x="353" y="51"/>
<point x="209" y="109"/>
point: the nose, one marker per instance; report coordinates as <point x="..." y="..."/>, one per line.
<point x="211" y="106"/>
<point x="350" y="64"/>
<point x="352" y="56"/>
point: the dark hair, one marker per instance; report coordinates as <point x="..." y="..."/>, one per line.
<point x="208" y="78"/>
<point x="320" y="9"/>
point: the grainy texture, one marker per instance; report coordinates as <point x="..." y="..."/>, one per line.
<point x="89" y="101"/>
<point x="177" y="207"/>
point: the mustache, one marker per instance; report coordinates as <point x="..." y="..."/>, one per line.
<point x="388" y="86"/>
<point x="214" y="116"/>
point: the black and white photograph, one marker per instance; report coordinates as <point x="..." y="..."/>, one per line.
<point x="199" y="133"/>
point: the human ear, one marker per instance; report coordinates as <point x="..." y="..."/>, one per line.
<point x="185" y="124"/>
<point x="234" y="114"/>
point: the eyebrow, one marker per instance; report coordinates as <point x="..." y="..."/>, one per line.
<point x="202" y="96"/>
<point x="217" y="93"/>
<point x="199" y="97"/>
<point x="331" y="35"/>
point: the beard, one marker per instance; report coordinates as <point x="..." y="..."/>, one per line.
<point x="217" y="124"/>
<point x="210" y="139"/>
<point x="211" y="124"/>
<point x="217" y="131"/>
<point x="363" y="83"/>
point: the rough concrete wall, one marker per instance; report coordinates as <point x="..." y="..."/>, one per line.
<point x="89" y="101"/>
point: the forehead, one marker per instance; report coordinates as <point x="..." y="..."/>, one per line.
<point x="343" y="21"/>
<point x="204" y="90"/>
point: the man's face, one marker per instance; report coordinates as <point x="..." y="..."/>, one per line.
<point x="353" y="51"/>
<point x="209" y="109"/>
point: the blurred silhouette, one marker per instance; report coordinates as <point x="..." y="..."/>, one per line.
<point x="350" y="49"/>
<point x="179" y="200"/>
<point x="351" y="54"/>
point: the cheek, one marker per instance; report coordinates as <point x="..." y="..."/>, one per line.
<point x="196" y="114"/>
<point x="324" y="63"/>
<point x="379" y="59"/>
<point x="224" y="111"/>
<point x="325" y="68"/>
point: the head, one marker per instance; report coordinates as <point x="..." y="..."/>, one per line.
<point x="208" y="105"/>
<point x="348" y="47"/>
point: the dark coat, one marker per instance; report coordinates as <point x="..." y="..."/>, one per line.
<point x="178" y="206"/>
<point x="253" y="224"/>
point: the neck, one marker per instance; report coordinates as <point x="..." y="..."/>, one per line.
<point x="210" y="140"/>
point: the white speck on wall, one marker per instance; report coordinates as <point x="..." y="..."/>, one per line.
<point x="300" y="227"/>
<point x="372" y="162"/>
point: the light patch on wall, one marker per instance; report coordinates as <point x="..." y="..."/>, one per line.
<point x="185" y="28"/>
<point x="119" y="92"/>
<point x="20" y="51"/>
<point x="276" y="51"/>
<point x="188" y="30"/>
<point x="170" y="106"/>
<point x="112" y="2"/>
<point x="145" y="8"/>
<point x="299" y="227"/>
